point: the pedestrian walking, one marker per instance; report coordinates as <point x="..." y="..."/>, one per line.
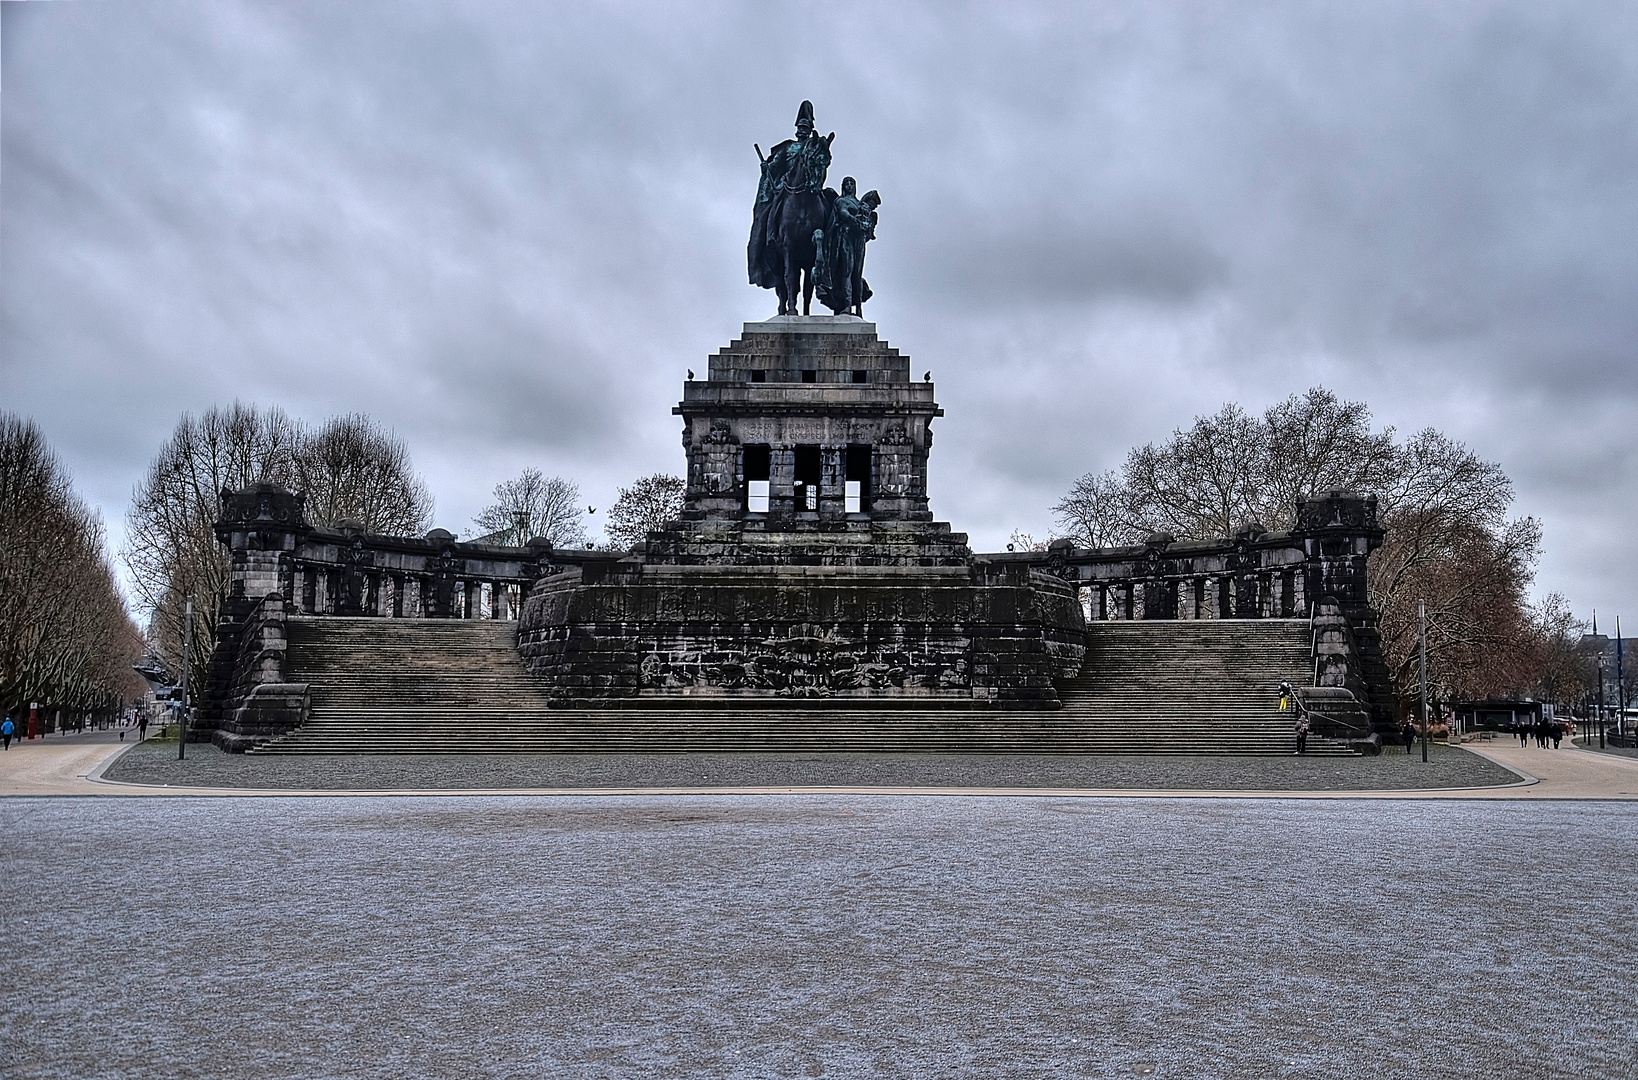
<point x="142" y="727"/>
<point x="1558" y="734"/>
<point x="1302" y="734"/>
<point x="7" y="730"/>
<point x="1407" y="735"/>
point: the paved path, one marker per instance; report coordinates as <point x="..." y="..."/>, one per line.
<point x="1565" y="773"/>
<point x="61" y="765"/>
<point x="72" y="765"/>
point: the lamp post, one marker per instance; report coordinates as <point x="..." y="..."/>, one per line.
<point x="1422" y="653"/>
<point x="187" y="646"/>
<point x="1601" y="699"/>
<point x="1620" y="687"/>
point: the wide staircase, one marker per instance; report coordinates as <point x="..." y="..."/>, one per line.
<point x="1190" y="687"/>
<point x="435" y="686"/>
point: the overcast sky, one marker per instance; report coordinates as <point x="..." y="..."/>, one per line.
<point x="506" y="230"/>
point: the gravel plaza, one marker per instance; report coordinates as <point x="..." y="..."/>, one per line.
<point x="588" y="935"/>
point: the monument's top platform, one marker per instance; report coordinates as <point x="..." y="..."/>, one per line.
<point x="813" y="324"/>
<point x="822" y="349"/>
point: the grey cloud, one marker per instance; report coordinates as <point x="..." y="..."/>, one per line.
<point x="1003" y="263"/>
<point x="507" y="228"/>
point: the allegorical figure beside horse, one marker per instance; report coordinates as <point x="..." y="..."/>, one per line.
<point x="838" y="271"/>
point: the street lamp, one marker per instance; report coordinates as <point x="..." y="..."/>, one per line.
<point x="1601" y="699"/>
<point x="187" y="643"/>
<point x="1422" y="650"/>
<point x="1620" y="687"/>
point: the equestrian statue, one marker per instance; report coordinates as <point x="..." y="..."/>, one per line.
<point x="806" y="237"/>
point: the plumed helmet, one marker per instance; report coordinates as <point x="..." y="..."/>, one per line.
<point x="805" y="113"/>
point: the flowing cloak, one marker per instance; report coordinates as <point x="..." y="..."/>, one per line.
<point x="841" y="250"/>
<point x="762" y="260"/>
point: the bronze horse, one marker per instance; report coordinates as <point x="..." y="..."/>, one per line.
<point x="801" y="213"/>
<point x="790" y="207"/>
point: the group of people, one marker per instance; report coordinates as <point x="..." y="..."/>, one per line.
<point x="1542" y="731"/>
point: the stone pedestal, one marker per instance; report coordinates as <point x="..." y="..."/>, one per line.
<point x="818" y="386"/>
<point x="840" y="586"/>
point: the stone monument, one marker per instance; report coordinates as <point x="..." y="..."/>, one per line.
<point x="806" y="562"/>
<point x="805" y="596"/>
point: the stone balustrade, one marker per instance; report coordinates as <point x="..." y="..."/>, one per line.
<point x="1314" y="571"/>
<point x="280" y="565"/>
<point x="1254" y="574"/>
<point x="346" y="571"/>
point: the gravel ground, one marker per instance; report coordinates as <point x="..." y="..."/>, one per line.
<point x="750" y="937"/>
<point x="1618" y="751"/>
<point x="205" y="766"/>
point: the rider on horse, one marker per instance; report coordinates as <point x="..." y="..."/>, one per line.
<point x="795" y="168"/>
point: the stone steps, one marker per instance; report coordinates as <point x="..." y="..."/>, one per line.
<point x="451" y="686"/>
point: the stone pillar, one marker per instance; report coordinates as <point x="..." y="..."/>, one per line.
<point x="895" y="482"/>
<point x="832" y="482"/>
<point x="1339" y="531"/>
<point x="500" y="601"/>
<point x="261" y="526"/>
<point x="782" y="481"/>
<point x="474" y="599"/>
<point x="714" y="479"/>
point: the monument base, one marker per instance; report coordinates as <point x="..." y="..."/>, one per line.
<point x="674" y="633"/>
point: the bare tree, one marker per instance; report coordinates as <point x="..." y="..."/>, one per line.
<point x="352" y="468"/>
<point x="171" y="549"/>
<point x="534" y="505"/>
<point x="643" y="507"/>
<point x="1450" y="545"/>
<point x="1448" y="539"/>
<point x="1562" y="672"/>
<point x="1230" y="469"/>
<point x="1315" y="442"/>
<point x="66" y="640"/>
<point x="1095" y="513"/>
<point x="1023" y="541"/>
<point x="1202" y="483"/>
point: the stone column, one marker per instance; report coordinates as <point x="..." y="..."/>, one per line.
<point x="782" y="480"/>
<point x="832" y="481"/>
<point x="261" y="526"/>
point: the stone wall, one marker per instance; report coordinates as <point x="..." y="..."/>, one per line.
<point x="631" y="631"/>
<point x="260" y="705"/>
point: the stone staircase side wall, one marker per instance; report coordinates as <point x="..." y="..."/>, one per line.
<point x="259" y="704"/>
<point x="1349" y="659"/>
